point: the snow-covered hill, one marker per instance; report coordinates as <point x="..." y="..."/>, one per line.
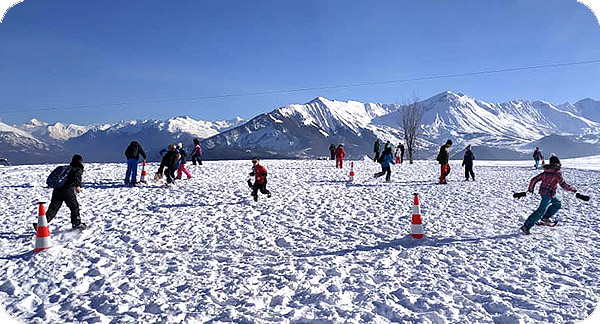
<point x="317" y="251"/>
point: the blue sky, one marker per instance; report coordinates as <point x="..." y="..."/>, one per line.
<point x="73" y="53"/>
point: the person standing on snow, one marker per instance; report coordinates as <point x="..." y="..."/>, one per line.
<point x="67" y="194"/>
<point x="332" y="151"/>
<point x="385" y="160"/>
<point x="398" y="153"/>
<point x="468" y="163"/>
<point x="260" y="179"/>
<point x="132" y="153"/>
<point x="442" y="158"/>
<point x="197" y="152"/>
<point x="401" y="152"/>
<point x="376" y="149"/>
<point x="168" y="164"/>
<point x="550" y="204"/>
<point x="181" y="167"/>
<point x="537" y="156"/>
<point x="339" y="156"/>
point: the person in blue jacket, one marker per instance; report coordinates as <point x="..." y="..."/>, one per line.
<point x="385" y="159"/>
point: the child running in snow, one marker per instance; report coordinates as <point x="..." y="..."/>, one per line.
<point x="550" y="204"/>
<point x="339" y="156"/>
<point x="260" y="179"/>
<point x="181" y="167"/>
<point x="385" y="160"/>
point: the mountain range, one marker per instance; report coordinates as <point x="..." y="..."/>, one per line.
<point x="509" y="130"/>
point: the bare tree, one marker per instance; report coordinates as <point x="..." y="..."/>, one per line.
<point x="412" y="114"/>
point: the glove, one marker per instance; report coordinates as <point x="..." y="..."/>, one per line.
<point x="582" y="197"/>
<point x="249" y="183"/>
<point x="519" y="194"/>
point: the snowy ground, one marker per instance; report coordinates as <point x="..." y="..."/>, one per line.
<point x="318" y="251"/>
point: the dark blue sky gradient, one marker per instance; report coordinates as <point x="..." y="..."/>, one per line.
<point x="72" y="53"/>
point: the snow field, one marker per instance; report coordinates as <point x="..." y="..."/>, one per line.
<point x="319" y="250"/>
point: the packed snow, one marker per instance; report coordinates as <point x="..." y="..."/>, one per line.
<point x="319" y="250"/>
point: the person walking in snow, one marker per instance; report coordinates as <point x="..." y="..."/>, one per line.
<point x="468" y="163"/>
<point x="443" y="157"/>
<point x="550" y="204"/>
<point x="260" y="179"/>
<point x="376" y="149"/>
<point x="339" y="156"/>
<point x="401" y="152"/>
<point x="168" y="164"/>
<point x="181" y="167"/>
<point x="132" y="153"/>
<point x="537" y="156"/>
<point x="332" y="151"/>
<point x="197" y="152"/>
<point x="398" y="153"/>
<point x="388" y="144"/>
<point x="385" y="160"/>
<point x="67" y="194"/>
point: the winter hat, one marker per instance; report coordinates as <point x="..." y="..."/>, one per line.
<point x="554" y="160"/>
<point x="255" y="158"/>
<point x="468" y="147"/>
<point x="77" y="159"/>
<point x="179" y="145"/>
<point x="449" y="142"/>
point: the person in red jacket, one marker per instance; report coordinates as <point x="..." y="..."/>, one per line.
<point x="339" y="156"/>
<point x="260" y="179"/>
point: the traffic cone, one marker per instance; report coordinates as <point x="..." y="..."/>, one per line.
<point x="351" y="172"/>
<point x="143" y="177"/>
<point x="42" y="235"/>
<point x="417" y="225"/>
<point x="543" y="161"/>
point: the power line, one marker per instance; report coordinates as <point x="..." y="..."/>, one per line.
<point x="351" y="85"/>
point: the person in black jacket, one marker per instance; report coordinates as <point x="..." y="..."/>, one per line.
<point x="132" y="153"/>
<point x="468" y="163"/>
<point x="442" y="158"/>
<point x="376" y="150"/>
<point x="66" y="194"/>
<point x="169" y="164"/>
<point x="332" y="151"/>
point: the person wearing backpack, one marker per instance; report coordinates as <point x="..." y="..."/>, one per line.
<point x="169" y="164"/>
<point x="132" y="153"/>
<point x="385" y="159"/>
<point x="65" y="187"/>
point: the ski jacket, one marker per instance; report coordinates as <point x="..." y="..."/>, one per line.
<point x="468" y="158"/>
<point x="340" y="153"/>
<point x="376" y="147"/>
<point x="169" y="161"/>
<point x="550" y="178"/>
<point x="134" y="150"/>
<point x="387" y="159"/>
<point x="537" y="155"/>
<point x="197" y="151"/>
<point x="183" y="154"/>
<point x="401" y="149"/>
<point x="74" y="177"/>
<point x="260" y="174"/>
<point x="443" y="155"/>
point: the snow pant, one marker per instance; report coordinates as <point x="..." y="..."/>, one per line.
<point x="445" y="171"/>
<point x="66" y="195"/>
<point x="385" y="170"/>
<point x="131" y="174"/>
<point x="332" y="155"/>
<point x="402" y="157"/>
<point x="170" y="174"/>
<point x="184" y="170"/>
<point x="197" y="158"/>
<point x="376" y="156"/>
<point x="398" y="160"/>
<point x="259" y="186"/>
<point x="339" y="162"/>
<point x="469" y="170"/>
<point x="548" y="207"/>
<point x="537" y="164"/>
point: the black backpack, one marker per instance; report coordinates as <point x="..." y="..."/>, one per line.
<point x="381" y="158"/>
<point x="58" y="177"/>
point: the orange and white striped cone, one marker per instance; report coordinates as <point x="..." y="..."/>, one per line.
<point x="417" y="224"/>
<point x="42" y="235"/>
<point x="144" y="174"/>
<point x="351" y="172"/>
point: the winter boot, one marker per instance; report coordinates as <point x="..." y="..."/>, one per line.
<point x="525" y="230"/>
<point x="80" y="226"/>
<point x="546" y="221"/>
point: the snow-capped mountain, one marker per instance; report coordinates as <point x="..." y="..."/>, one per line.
<point x="21" y="147"/>
<point x="510" y="128"/>
<point x="302" y="130"/>
<point x="54" y="132"/>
